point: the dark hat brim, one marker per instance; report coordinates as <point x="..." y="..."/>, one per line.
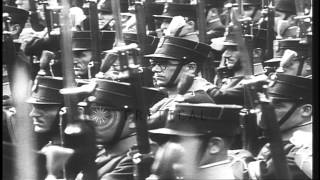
<point x="160" y="56"/>
<point x="33" y="100"/>
<point x="167" y="131"/>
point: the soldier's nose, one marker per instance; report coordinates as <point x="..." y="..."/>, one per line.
<point x="34" y="113"/>
<point x="156" y="68"/>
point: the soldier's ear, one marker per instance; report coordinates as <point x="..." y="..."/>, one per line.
<point x="191" y="23"/>
<point x="16" y="29"/>
<point x="306" y="110"/>
<point x="131" y="122"/>
<point x="216" y="144"/>
<point x="192" y="67"/>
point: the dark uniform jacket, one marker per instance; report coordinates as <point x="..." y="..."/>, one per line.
<point x="114" y="163"/>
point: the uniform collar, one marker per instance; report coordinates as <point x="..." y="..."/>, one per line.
<point x="122" y="146"/>
<point x="227" y="161"/>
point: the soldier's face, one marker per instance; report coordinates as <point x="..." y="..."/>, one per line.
<point x="163" y="70"/>
<point x="281" y="108"/>
<point x="162" y="25"/>
<point x="248" y="10"/>
<point x="292" y="67"/>
<point x="81" y="60"/>
<point x="106" y="122"/>
<point x="44" y="116"/>
<point x="231" y="56"/>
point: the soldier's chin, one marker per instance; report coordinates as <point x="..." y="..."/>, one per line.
<point x="79" y="73"/>
<point x="39" y="129"/>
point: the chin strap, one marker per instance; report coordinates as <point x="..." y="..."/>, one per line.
<point x="175" y="74"/>
<point x="119" y="129"/>
<point x="288" y="114"/>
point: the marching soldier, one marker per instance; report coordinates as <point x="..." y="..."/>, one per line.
<point x="195" y="143"/>
<point x="186" y="11"/>
<point x="176" y="64"/>
<point x="151" y="43"/>
<point x="82" y="53"/>
<point x="284" y="23"/>
<point x="292" y="98"/>
<point x="111" y="107"/>
<point x="46" y="102"/>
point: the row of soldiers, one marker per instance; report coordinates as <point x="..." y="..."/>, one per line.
<point x="232" y="100"/>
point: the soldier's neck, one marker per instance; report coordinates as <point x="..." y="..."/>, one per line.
<point x="209" y="159"/>
<point x="172" y="91"/>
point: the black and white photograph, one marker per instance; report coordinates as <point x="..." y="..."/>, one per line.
<point x="158" y="90"/>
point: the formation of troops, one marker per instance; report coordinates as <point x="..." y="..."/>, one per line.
<point x="157" y="90"/>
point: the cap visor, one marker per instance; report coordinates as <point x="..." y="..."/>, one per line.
<point x="32" y="100"/>
<point x="162" y="17"/>
<point x="229" y="44"/>
<point x="80" y="49"/>
<point x="277" y="59"/>
<point x="160" y="56"/>
<point x="167" y="131"/>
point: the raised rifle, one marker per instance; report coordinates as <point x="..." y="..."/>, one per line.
<point x="79" y="133"/>
<point x="95" y="39"/>
<point x="207" y="70"/>
<point x="270" y="31"/>
<point x="262" y="103"/>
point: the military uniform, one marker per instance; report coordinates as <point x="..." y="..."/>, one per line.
<point x="197" y="120"/>
<point x="297" y="90"/>
<point x="183" y="51"/>
<point x="114" y="160"/>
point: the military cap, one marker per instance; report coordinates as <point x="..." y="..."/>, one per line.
<point x="290" y="87"/>
<point x="201" y="119"/>
<point x="151" y="42"/>
<point x="249" y="2"/>
<point x="105" y="6"/>
<point x="287" y="6"/>
<point x="175" y="48"/>
<point x="18" y="16"/>
<point x="81" y="40"/>
<point x="174" y="9"/>
<point x="46" y="90"/>
<point x="215" y="4"/>
<point x="155" y="8"/>
<point x="292" y="44"/>
<point x="120" y="95"/>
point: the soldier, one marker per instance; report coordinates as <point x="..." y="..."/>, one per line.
<point x="176" y="63"/>
<point x="284" y="23"/>
<point x="233" y="70"/>
<point x="186" y="11"/>
<point x="46" y="102"/>
<point x="292" y="99"/>
<point x="150" y="43"/>
<point x="208" y="127"/>
<point x="111" y="107"/>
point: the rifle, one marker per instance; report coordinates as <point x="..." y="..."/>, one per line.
<point x="95" y="39"/>
<point x="262" y="103"/>
<point x="207" y="71"/>
<point x="141" y="30"/>
<point x="270" y="31"/>
<point x="79" y="134"/>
